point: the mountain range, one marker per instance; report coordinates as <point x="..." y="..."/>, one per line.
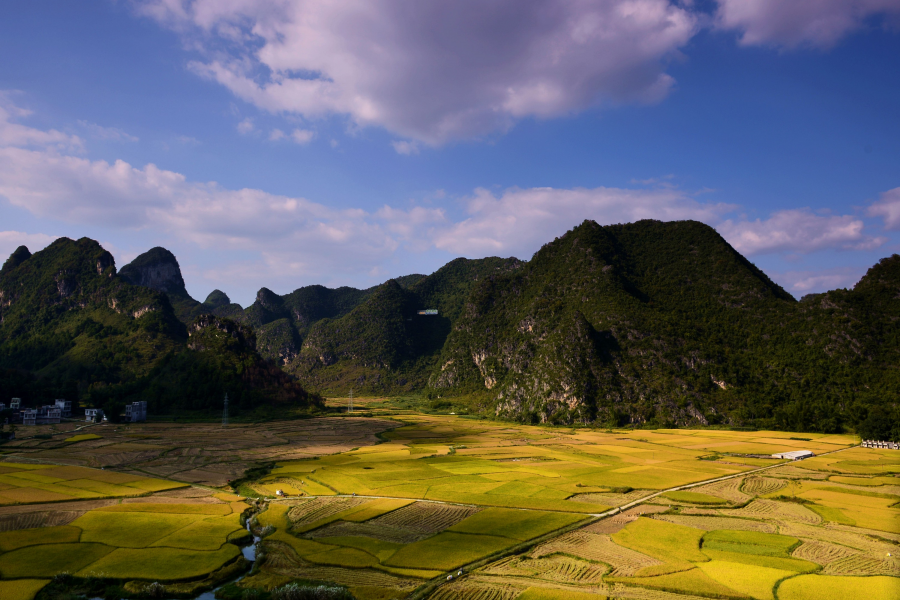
<point x="72" y="327"/>
<point x="656" y="323"/>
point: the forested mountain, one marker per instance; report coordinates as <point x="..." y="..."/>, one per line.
<point x="666" y="323"/>
<point x="71" y="327"/>
<point x="654" y="323"/>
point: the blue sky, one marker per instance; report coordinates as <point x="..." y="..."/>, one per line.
<point x="282" y="144"/>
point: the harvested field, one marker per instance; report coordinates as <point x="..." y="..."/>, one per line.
<point x="729" y="490"/>
<point x="610" y="499"/>
<point x="561" y="569"/>
<point x="476" y="590"/>
<point x="821" y="553"/>
<point x="370" y="530"/>
<point x="617" y="522"/>
<point x="713" y="523"/>
<point x="31" y="520"/>
<point x="861" y="564"/>
<point x="317" y="509"/>
<point x="771" y="509"/>
<point x="758" y="486"/>
<point x="599" y="548"/>
<point x="626" y="591"/>
<point x="793" y="472"/>
<point x="690" y="498"/>
<point x="426" y="517"/>
<point x="282" y="560"/>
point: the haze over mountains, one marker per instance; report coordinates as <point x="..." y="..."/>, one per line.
<point x="649" y="322"/>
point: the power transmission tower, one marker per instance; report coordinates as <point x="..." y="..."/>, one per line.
<point x="351" y="400"/>
<point x="225" y="411"/>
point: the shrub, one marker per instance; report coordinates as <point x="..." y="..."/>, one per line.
<point x="295" y="591"/>
<point x="155" y="590"/>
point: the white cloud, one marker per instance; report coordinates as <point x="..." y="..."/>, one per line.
<point x="433" y="71"/>
<point x="188" y="140"/>
<point x="16" y="134"/>
<point x="246" y="126"/>
<point x="10" y="240"/>
<point x="303" y="136"/>
<point x="798" y="231"/>
<point x="791" y="23"/>
<point x="518" y="221"/>
<point x="807" y="282"/>
<point x="405" y="148"/>
<point x="888" y="208"/>
<point x="296" y="239"/>
<point x="276" y="135"/>
<point x="111" y="134"/>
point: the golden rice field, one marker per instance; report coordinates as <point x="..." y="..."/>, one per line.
<point x="22" y="483"/>
<point x="525" y="512"/>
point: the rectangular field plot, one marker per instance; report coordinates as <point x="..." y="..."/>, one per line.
<point x="28" y="484"/>
<point x="160" y="564"/>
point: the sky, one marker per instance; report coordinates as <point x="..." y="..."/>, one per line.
<point x="283" y="143"/>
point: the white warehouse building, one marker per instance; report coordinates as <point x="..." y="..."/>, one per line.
<point x="794" y="455"/>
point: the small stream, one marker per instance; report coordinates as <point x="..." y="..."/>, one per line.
<point x="249" y="552"/>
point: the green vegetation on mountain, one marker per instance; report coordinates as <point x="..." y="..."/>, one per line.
<point x="651" y="323"/>
<point x="665" y="323"/>
<point x="71" y="327"/>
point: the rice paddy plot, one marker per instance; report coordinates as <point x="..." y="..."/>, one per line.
<point x="476" y="590"/>
<point x="159" y="564"/>
<point x="825" y="587"/>
<point x="758" y="486"/>
<point x="750" y="542"/>
<point x="13" y="540"/>
<point x="21" y="589"/>
<point x="518" y="525"/>
<point x="668" y="542"/>
<point x="691" y="498"/>
<point x="47" y="560"/>
<point x="754" y="581"/>
<point x="712" y="523"/>
<point x="691" y="581"/>
<point x="448" y="550"/>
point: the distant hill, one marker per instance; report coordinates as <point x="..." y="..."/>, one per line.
<point x="652" y="323"/>
<point x="70" y="326"/>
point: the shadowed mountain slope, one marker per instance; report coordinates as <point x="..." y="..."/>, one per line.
<point x="69" y="325"/>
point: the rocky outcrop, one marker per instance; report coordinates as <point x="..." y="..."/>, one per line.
<point x="157" y="269"/>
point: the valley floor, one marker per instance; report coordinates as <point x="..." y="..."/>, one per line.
<point x="449" y="507"/>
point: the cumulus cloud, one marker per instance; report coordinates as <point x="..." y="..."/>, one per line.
<point x="111" y="134"/>
<point x="518" y="221"/>
<point x="295" y="239"/>
<point x="798" y="231"/>
<point x="791" y="23"/>
<point x="433" y="71"/>
<point x="888" y="208"/>
<point x="276" y="135"/>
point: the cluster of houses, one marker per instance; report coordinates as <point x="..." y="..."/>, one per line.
<point x="62" y="409"/>
<point x="877" y="444"/>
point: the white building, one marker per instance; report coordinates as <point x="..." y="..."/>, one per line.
<point x="136" y="411"/>
<point x="65" y="408"/>
<point x="93" y="414"/>
<point x="16" y="403"/>
<point x="794" y="455"/>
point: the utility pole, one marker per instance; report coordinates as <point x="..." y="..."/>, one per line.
<point x="351" y="400"/>
<point x="225" y="412"/>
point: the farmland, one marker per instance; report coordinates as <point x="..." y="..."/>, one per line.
<point x="390" y="508"/>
